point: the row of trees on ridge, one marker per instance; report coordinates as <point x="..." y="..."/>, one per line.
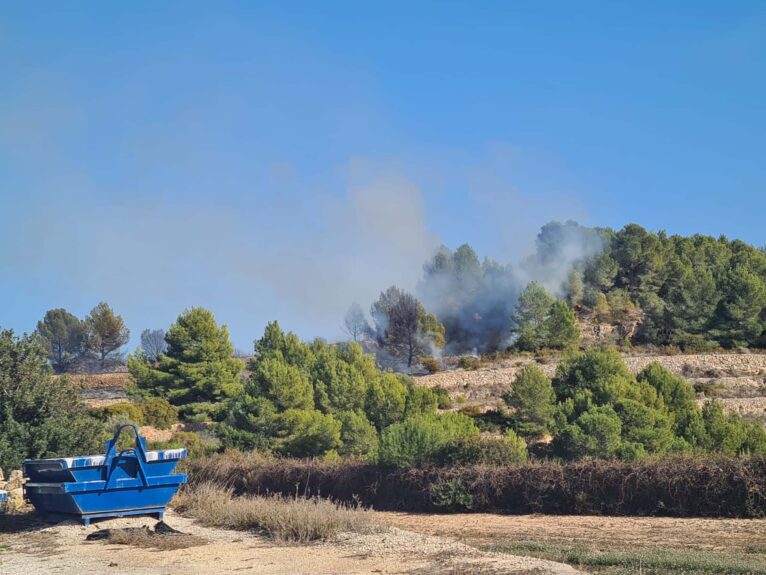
<point x="697" y="292"/>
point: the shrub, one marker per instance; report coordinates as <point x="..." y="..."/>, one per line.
<point x="508" y="450"/>
<point x="468" y="362"/>
<point x="690" y="343"/>
<point x="431" y="364"/>
<point x="420" y="400"/>
<point x="292" y="519"/>
<point x="443" y="400"/>
<point x="130" y="412"/>
<point x="493" y="420"/>
<point x="452" y="495"/>
<point x="472" y="411"/>
<point x="708" y="388"/>
<point x="158" y="413"/>
<point x="417" y="440"/>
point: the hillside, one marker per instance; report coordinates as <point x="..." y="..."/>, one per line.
<point x="737" y="379"/>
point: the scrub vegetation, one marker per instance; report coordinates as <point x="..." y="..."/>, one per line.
<point x="282" y="518"/>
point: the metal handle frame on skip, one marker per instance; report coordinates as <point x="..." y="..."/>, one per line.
<point x="139" y="451"/>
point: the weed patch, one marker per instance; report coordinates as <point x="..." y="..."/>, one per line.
<point x="287" y="519"/>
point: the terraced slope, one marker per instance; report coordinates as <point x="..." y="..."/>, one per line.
<point x="738" y="380"/>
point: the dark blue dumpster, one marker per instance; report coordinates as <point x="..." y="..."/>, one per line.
<point x="129" y="482"/>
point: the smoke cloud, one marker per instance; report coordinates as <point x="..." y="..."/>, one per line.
<point x="475" y="300"/>
<point x="174" y="223"/>
<point x="296" y="258"/>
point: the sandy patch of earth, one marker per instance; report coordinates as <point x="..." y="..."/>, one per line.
<point x="30" y="547"/>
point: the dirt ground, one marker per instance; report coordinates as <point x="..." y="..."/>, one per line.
<point x="482" y="529"/>
<point x="30" y="547"/>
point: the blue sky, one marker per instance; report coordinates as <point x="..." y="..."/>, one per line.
<point x="279" y="160"/>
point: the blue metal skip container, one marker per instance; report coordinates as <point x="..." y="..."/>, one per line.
<point x="129" y="482"/>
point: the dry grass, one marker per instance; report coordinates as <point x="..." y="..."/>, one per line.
<point x="286" y="519"/>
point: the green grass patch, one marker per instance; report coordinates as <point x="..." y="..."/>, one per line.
<point x="647" y="561"/>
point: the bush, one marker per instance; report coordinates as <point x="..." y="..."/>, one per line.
<point x="493" y="420"/>
<point x="508" y="450"/>
<point x="158" y="413"/>
<point x="468" y="362"/>
<point x="431" y="364"/>
<point x="472" y="411"/>
<point x="709" y="388"/>
<point x="729" y="434"/>
<point x="417" y="440"/>
<point x="152" y="411"/>
<point x="604" y="410"/>
<point x="443" y="400"/>
<point x="695" y="344"/>
<point x="452" y="495"/>
<point x="130" y="412"/>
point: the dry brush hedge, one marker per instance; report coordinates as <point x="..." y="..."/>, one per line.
<point x="677" y="487"/>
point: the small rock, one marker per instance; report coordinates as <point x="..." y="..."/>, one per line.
<point x="2" y="477"/>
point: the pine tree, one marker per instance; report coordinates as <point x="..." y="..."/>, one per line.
<point x="197" y="368"/>
<point x="106" y="331"/>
